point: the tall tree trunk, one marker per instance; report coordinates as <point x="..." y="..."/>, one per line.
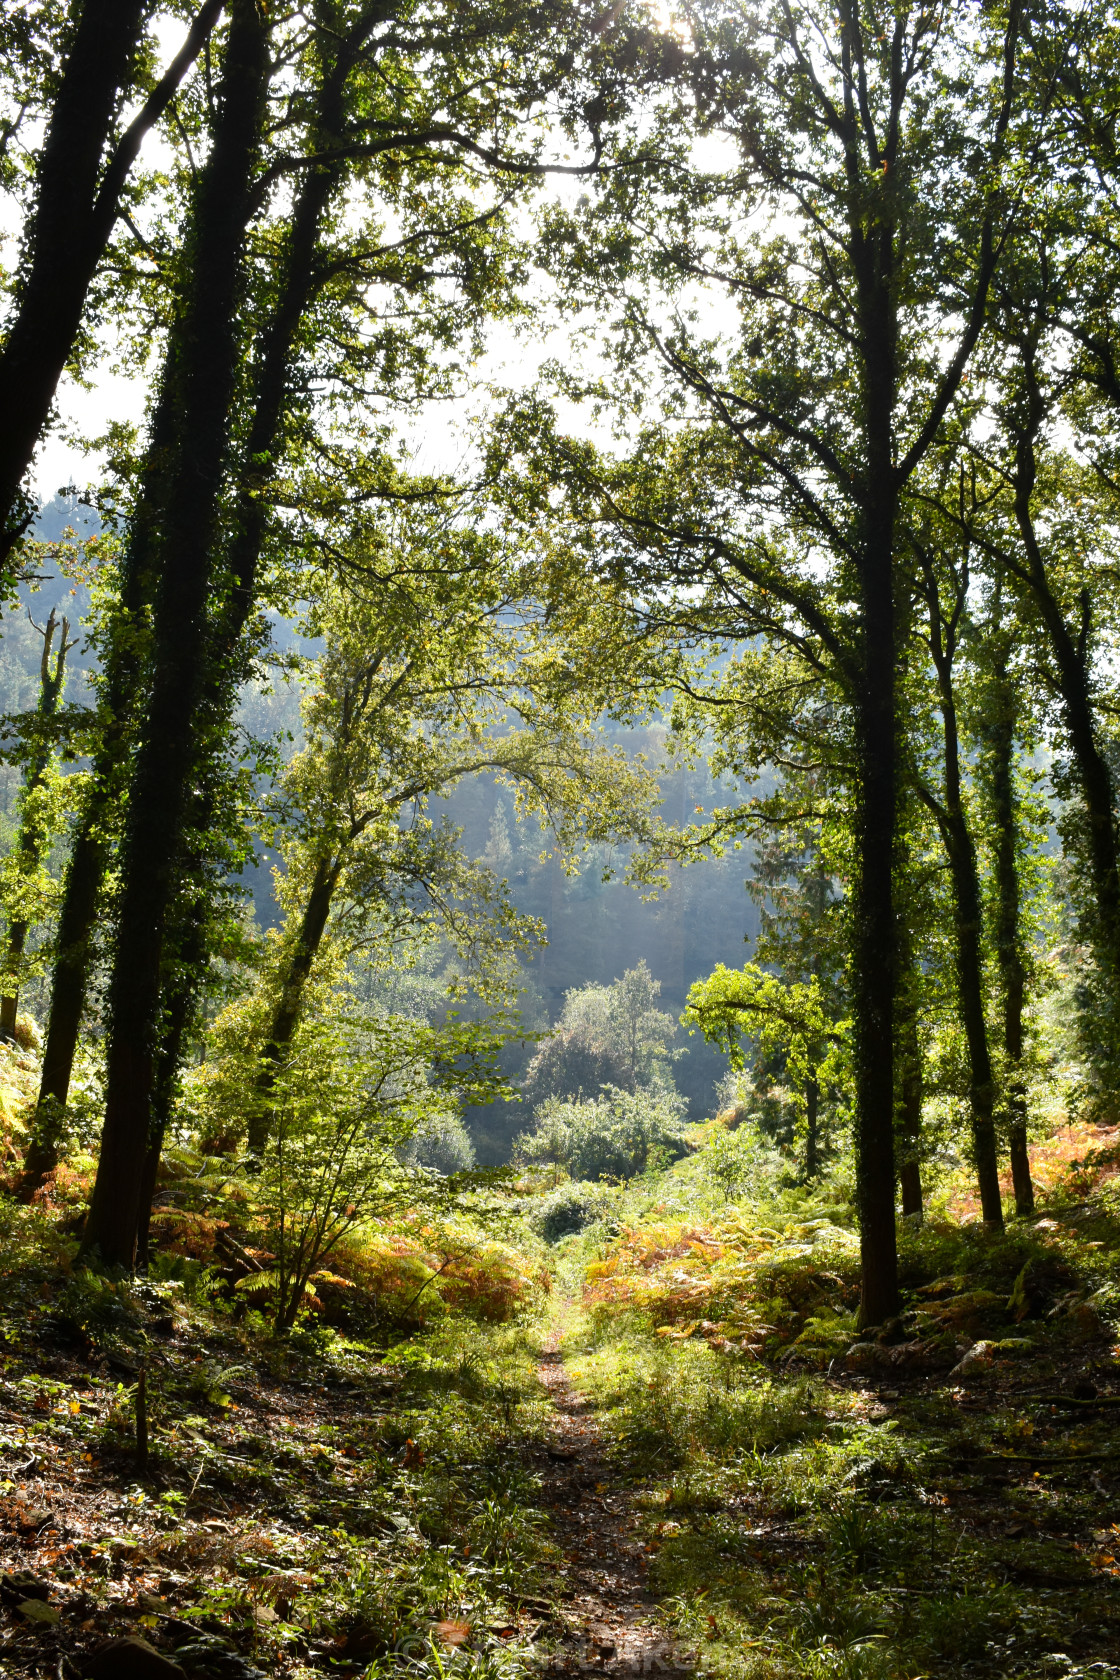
<point x="1073" y="676"/>
<point x="89" y="854"/>
<point x="874" y="965"/>
<point x="299" y="280"/>
<point x="106" y="796"/>
<point x="876" y="818"/>
<point x="911" y="1089"/>
<point x="812" y="1129"/>
<point x="967" y="918"/>
<point x="293" y="982"/>
<point x="33" y="839"/>
<point x="1001" y="735"/>
<point x="79" y="183"/>
<point x="205" y="376"/>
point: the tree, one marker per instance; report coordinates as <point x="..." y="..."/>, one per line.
<point x="788" y="1018"/>
<point x="1003" y="726"/>
<point x="606" y="1035"/>
<point x="948" y="805"/>
<point x="80" y="175"/>
<point x="354" y="1097"/>
<point x="777" y="487"/>
<point x="427" y="678"/>
<point x="409" y="84"/>
<point x="615" y="1134"/>
<point x="200" y="382"/>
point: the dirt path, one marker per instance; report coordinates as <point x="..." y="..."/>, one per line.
<point x="608" y="1608"/>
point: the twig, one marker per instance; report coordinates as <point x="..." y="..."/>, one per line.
<point x="1073" y="1401"/>
<point x="223" y="1239"/>
<point x="194" y="1484"/>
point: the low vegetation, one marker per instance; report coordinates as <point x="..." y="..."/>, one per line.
<point x="361" y="1494"/>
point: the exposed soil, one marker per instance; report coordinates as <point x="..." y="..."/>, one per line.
<point x="608" y="1610"/>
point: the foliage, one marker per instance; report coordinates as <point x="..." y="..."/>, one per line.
<point x="791" y="1019"/>
<point x="606" y="1035"/>
<point x="347" y="1102"/>
<point x="441" y="1143"/>
<point x="615" y="1135"/>
<point x="569" y="1208"/>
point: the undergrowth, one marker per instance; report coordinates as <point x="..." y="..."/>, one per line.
<point x="882" y="1507"/>
<point x="309" y="1502"/>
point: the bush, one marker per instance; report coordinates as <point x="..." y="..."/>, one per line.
<point x="569" y="1208"/>
<point x="441" y="1144"/>
<point x="612" y="1136"/>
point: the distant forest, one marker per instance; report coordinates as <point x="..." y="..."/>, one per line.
<point x="596" y="929"/>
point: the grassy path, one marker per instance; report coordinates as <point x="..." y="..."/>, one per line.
<point x="608" y="1620"/>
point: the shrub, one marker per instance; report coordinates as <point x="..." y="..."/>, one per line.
<point x="440" y="1143"/>
<point x="569" y="1208"/>
<point x="611" y="1136"/>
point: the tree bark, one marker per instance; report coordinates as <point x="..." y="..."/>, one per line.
<point x="78" y="192"/>
<point x="289" y="1004"/>
<point x="202" y="377"/>
<point x="956" y="836"/>
<point x="1001" y="735"/>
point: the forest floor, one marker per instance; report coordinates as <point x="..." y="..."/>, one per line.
<point x="609" y="1615"/>
<point x="429" y="1512"/>
<point x="616" y="1486"/>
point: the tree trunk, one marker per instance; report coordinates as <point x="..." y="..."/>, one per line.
<point x="203" y="362"/>
<point x="874" y="965"/>
<point x="876" y="818"/>
<point x="81" y="895"/>
<point x="79" y="182"/>
<point x="289" y="1004"/>
<point x="1001" y="736"/>
<point x="273" y="361"/>
<point x="1071" y="667"/>
<point x="107" y="793"/>
<point x="812" y="1122"/>
<point x="967" y="917"/>
<point x="9" y="1003"/>
<point x="179" y="1015"/>
<point x="911" y="1094"/>
<point x="89" y="853"/>
<point x="272" y="358"/>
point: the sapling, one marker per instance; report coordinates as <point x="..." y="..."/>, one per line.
<point x="345" y="1102"/>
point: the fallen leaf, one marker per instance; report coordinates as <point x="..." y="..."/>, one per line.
<point x="452" y="1634"/>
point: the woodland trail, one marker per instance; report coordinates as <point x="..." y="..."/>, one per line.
<point x="608" y="1614"/>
